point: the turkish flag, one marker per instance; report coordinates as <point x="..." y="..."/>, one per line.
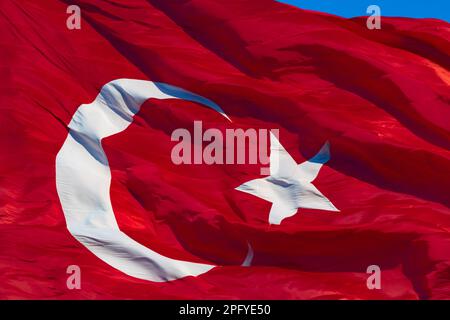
<point x="380" y="98"/>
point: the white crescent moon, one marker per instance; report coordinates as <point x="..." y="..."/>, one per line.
<point x="83" y="179"/>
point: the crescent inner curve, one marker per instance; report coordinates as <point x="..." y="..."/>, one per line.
<point x="83" y="179"/>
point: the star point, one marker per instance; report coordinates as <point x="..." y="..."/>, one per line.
<point x="289" y="186"/>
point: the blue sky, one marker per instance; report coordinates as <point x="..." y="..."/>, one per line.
<point x="401" y="8"/>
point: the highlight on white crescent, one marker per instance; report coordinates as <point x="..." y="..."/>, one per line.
<point x="83" y="179"/>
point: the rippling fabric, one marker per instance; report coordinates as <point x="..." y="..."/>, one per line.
<point x="379" y="97"/>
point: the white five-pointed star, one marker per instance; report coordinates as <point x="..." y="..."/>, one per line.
<point x="289" y="185"/>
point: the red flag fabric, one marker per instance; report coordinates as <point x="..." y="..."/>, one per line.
<point x="379" y="97"/>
